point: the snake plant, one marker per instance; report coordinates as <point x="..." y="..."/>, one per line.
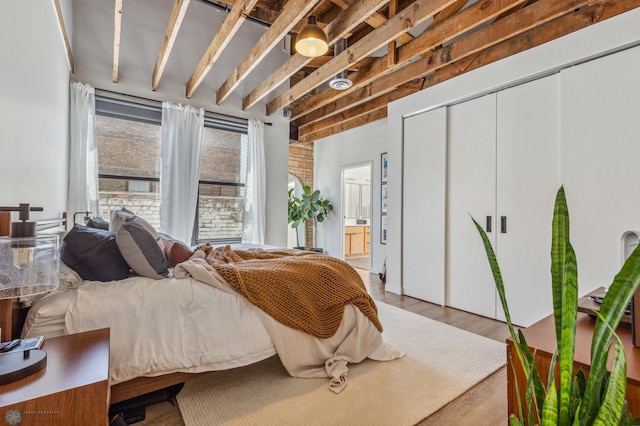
<point x="571" y="399"/>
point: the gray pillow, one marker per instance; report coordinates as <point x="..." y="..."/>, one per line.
<point x="140" y="249"/>
<point x="118" y="217"/>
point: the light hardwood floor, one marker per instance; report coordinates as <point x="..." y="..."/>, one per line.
<point x="483" y="405"/>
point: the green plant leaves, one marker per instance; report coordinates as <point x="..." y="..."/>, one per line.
<point x="599" y="400"/>
<point x="313" y="208"/>
<point x="610" y="412"/>
<point x="612" y="308"/>
<point x="559" y="240"/>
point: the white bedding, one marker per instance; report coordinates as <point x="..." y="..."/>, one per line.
<point x="197" y="324"/>
<point x="182" y="325"/>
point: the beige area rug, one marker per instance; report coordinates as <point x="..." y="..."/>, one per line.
<point x="442" y="362"/>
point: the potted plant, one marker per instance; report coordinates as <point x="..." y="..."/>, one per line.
<point x="294" y="215"/>
<point x="600" y="399"/>
<point x="314" y="209"/>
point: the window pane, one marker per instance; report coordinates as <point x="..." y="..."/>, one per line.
<point x="128" y="149"/>
<point x="129" y="157"/>
<point x="220" y="213"/>
<point x="221" y="189"/>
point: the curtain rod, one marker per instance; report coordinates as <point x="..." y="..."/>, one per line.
<point x="158" y="104"/>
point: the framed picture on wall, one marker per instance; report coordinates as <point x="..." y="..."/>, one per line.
<point x="383" y="229"/>
<point x="383" y="198"/>
<point x="383" y="167"/>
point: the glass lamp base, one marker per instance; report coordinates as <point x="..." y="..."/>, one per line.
<point x="18" y="365"/>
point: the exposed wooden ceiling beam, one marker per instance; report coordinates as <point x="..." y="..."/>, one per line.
<point x="117" y="23"/>
<point x="391" y="46"/>
<point x="293" y="12"/>
<point x="376" y="20"/>
<point x="574" y="21"/>
<point x="352" y="123"/>
<point x="580" y="18"/>
<point x="458" y="53"/>
<point x="321" y="60"/>
<point x="263" y="4"/>
<point x="413" y="15"/>
<point x="312" y="130"/>
<point x="63" y="33"/>
<point x="344" y="22"/>
<point x="175" y="21"/>
<point x="442" y="31"/>
<point x="229" y="27"/>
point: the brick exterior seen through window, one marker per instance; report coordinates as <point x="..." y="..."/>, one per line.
<point x="132" y="149"/>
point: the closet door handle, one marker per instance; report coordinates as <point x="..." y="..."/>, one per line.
<point x="488" y="227"/>
<point x="503" y="224"/>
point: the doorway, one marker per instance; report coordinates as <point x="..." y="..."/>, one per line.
<point x="356" y="213"/>
<point x="295" y="236"/>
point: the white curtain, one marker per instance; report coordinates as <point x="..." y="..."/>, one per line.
<point x="83" y="154"/>
<point x="182" y="127"/>
<point x="254" y="203"/>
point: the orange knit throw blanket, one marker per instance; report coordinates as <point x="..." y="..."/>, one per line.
<point x="306" y="291"/>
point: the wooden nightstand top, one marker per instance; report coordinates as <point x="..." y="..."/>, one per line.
<point x="77" y="366"/>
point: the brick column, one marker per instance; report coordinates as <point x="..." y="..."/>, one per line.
<point x="301" y="167"/>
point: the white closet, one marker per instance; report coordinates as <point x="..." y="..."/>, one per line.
<point x="601" y="161"/>
<point x="423" y="212"/>
<point x="471" y="192"/>
<point x="528" y="177"/>
<point x="502" y="159"/>
<point x="504" y="170"/>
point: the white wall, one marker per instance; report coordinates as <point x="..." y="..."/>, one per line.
<point x="600" y="152"/>
<point x="353" y="147"/>
<point x="34" y="93"/>
<point x="610" y="35"/>
<point x="143" y="27"/>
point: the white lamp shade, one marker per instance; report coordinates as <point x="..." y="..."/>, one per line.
<point x="28" y="266"/>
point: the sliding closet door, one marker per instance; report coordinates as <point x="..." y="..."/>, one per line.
<point x="423" y="206"/>
<point x="601" y="161"/>
<point x="528" y="177"/>
<point x="471" y="192"/>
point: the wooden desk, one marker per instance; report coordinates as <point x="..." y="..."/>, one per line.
<point x="73" y="388"/>
<point x="541" y="338"/>
<point x="587" y="305"/>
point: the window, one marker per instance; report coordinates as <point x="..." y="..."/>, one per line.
<point x="129" y="140"/>
<point x="139" y="186"/>
<point x="222" y="186"/>
<point x="128" y="161"/>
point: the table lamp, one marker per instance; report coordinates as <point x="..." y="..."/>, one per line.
<point x="29" y="265"/>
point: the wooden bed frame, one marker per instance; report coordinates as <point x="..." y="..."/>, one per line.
<point x="13" y="315"/>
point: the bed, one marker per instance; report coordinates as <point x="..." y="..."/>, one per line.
<point x="166" y="329"/>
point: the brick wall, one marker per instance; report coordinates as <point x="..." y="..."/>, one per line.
<point x="219" y="217"/>
<point x="301" y="167"/>
<point x="131" y="148"/>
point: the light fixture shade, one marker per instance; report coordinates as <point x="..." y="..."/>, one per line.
<point x="28" y="266"/>
<point x="311" y="40"/>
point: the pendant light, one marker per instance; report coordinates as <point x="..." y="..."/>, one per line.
<point x="311" y="40"/>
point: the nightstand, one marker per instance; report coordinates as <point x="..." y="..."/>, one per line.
<point x="73" y="388"/>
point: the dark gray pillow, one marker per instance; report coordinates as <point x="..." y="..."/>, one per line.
<point x="93" y="254"/>
<point x="140" y="249"/>
<point x="98" y="222"/>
